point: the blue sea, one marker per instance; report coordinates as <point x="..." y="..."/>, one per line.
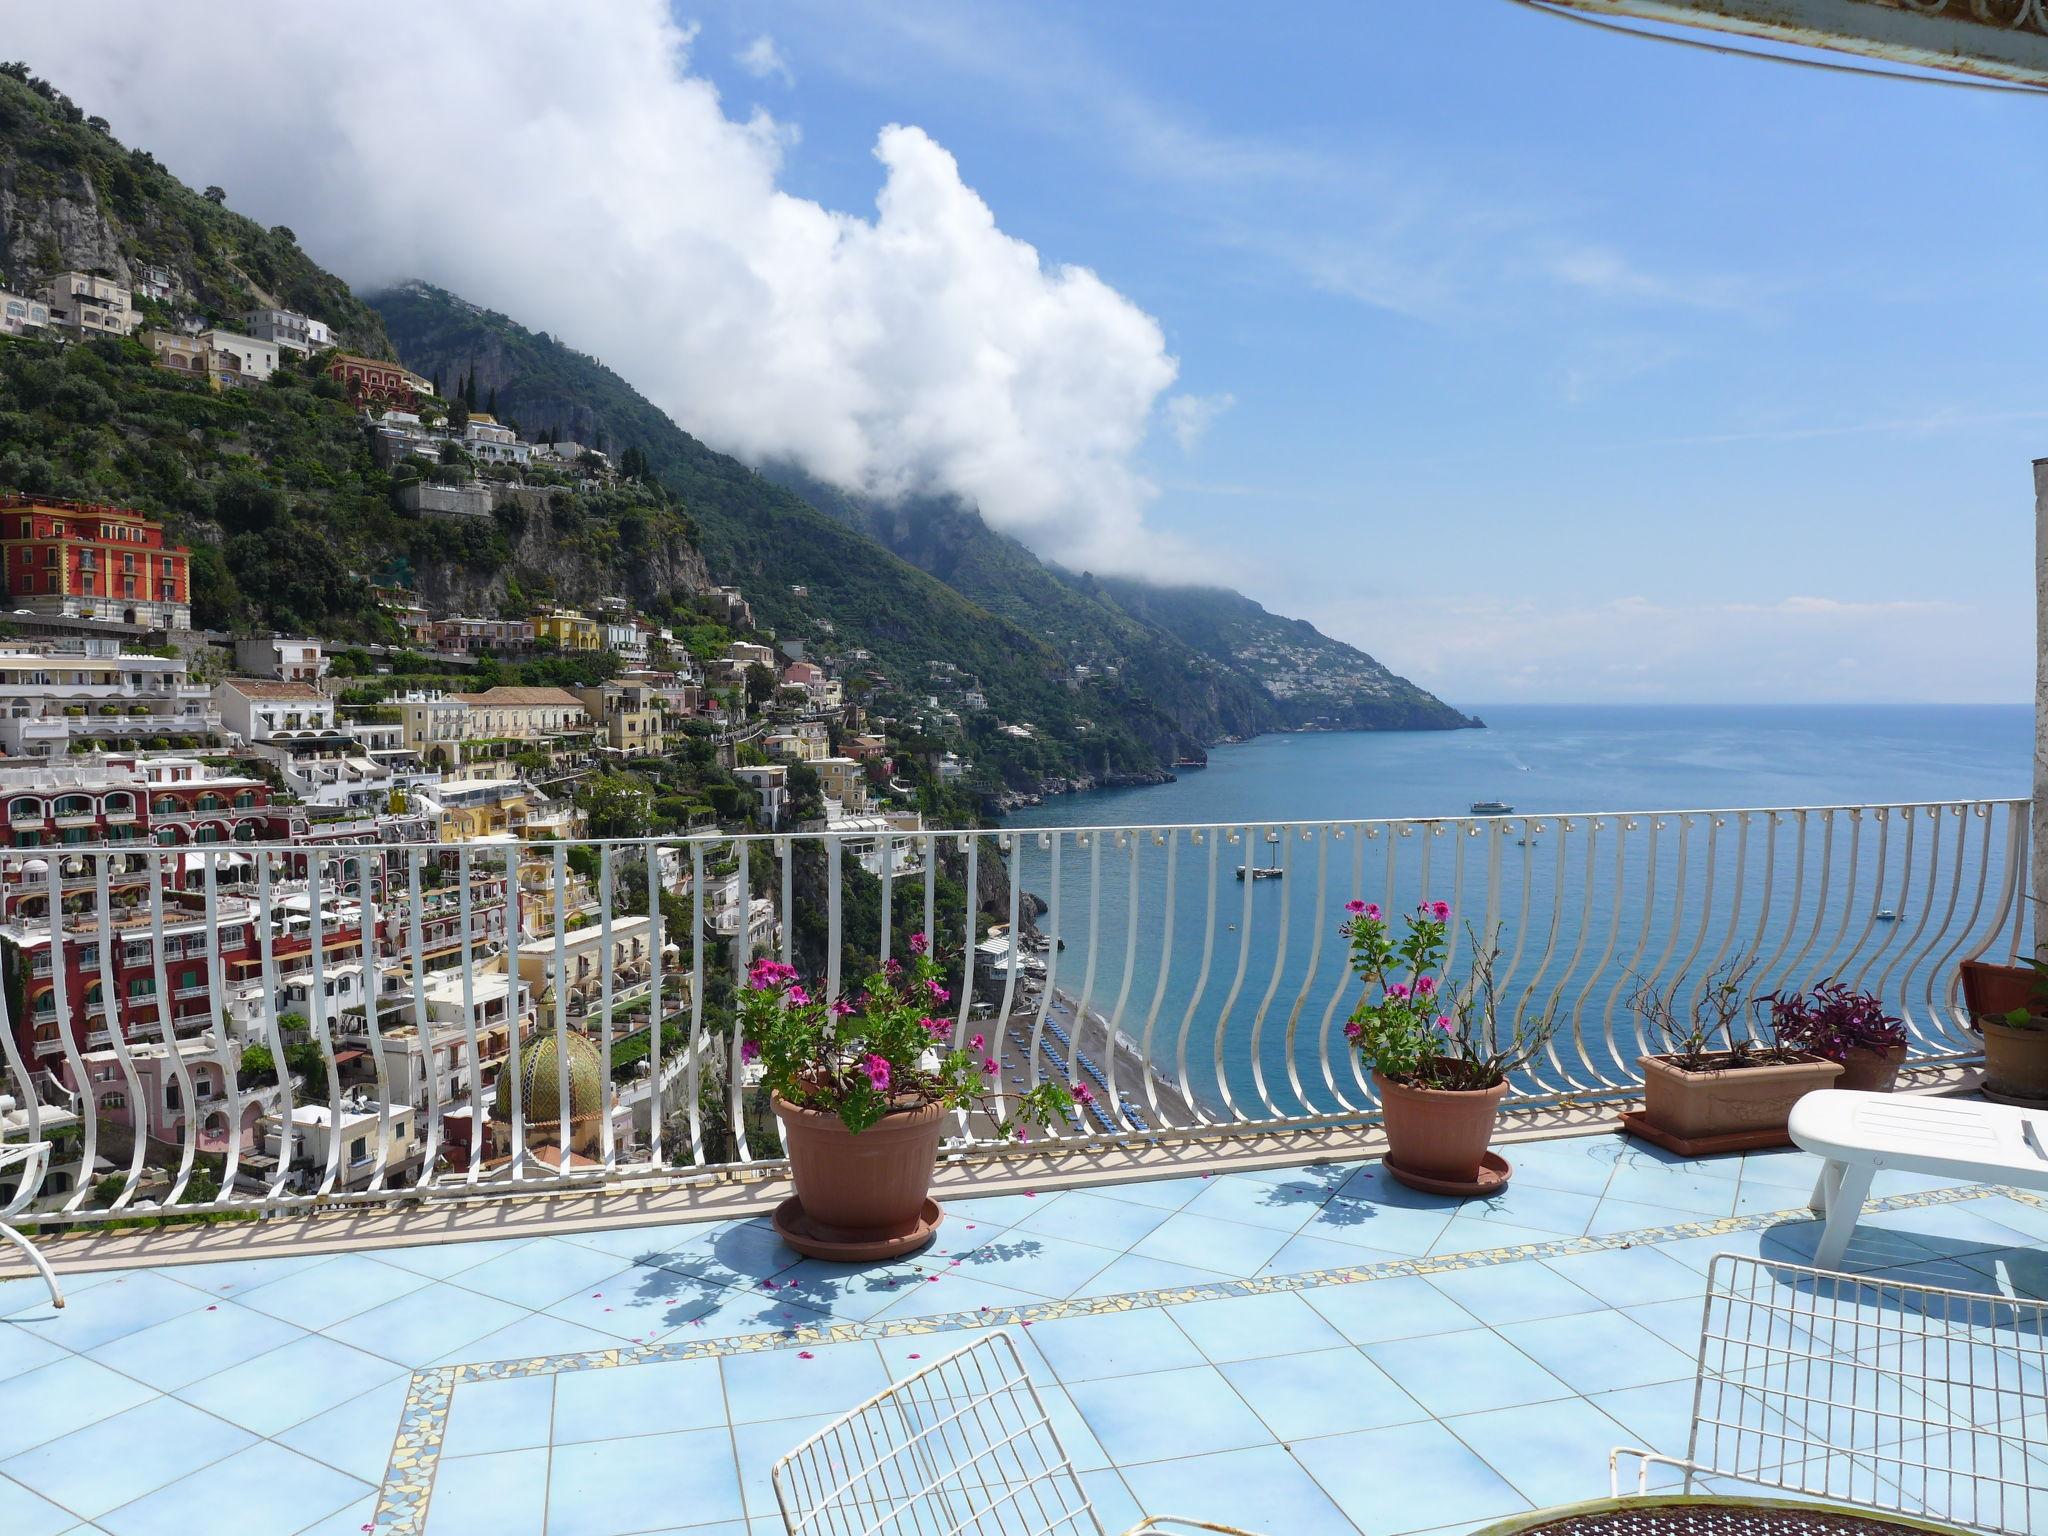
<point x="1570" y="757"/>
<point x="1585" y="892"/>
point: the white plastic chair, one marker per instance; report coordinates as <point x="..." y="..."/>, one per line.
<point x="33" y="1158"/>
<point x="963" y="1447"/>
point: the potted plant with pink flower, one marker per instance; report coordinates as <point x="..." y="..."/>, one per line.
<point x="863" y="1087"/>
<point x="1440" y="1055"/>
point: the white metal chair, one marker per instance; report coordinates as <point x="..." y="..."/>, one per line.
<point x="31" y="1158"/>
<point x="1874" y="1393"/>
<point x="964" y="1447"/>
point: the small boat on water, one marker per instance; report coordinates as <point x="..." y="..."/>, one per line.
<point x="1886" y="915"/>
<point x="1492" y="808"/>
<point x="1271" y="871"/>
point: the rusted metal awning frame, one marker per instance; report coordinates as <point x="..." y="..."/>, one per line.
<point x="2004" y="40"/>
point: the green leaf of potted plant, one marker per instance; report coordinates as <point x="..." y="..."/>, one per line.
<point x="1718" y="1086"/>
<point x="863" y="1087"/>
<point x="1439" y="1055"/>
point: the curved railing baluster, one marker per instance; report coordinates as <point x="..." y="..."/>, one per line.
<point x="1257" y="1049"/>
<point x="1308" y="974"/>
<point x="1244" y="955"/>
<point x="1168" y="913"/>
<point x="1214" y="838"/>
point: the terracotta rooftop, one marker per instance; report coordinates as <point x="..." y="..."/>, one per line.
<point x="272" y="688"/>
<point x="501" y="696"/>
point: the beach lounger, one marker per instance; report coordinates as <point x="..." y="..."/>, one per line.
<point x="1859" y="1133"/>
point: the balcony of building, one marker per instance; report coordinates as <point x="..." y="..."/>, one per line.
<point x="1226" y="1303"/>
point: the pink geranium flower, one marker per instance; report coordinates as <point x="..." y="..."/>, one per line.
<point x="749" y="1050"/>
<point x="799" y="998"/>
<point x="1424" y="985"/>
<point x="1372" y="911"/>
<point x="919" y="943"/>
<point x="1443" y="1022"/>
<point x="975" y="1044"/>
<point x="1440" y="910"/>
<point x="1355" y="907"/>
<point x="1397" y="990"/>
<point x="988" y="1068"/>
<point x="877" y="1070"/>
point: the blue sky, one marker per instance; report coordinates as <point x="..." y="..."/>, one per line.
<point x="1543" y="364"/>
<point x="1560" y="365"/>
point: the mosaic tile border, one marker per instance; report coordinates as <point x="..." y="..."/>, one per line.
<point x="416" y="1451"/>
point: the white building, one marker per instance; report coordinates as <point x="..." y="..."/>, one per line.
<point x="293" y="725"/>
<point x="770" y="781"/>
<point x="288" y="660"/>
<point x="489" y="441"/>
<point x="234" y="355"/>
<point x="288" y="329"/>
<point x="360" y="1130"/>
<point x="49" y="699"/>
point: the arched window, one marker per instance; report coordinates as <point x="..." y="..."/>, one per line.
<point x="26" y="809"/>
<point x="74" y="805"/>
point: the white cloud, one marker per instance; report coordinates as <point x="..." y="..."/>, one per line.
<point x="616" y="203"/>
<point x="1190" y="417"/>
<point x="761" y="58"/>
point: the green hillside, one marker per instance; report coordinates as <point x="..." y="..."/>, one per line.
<point x="1213" y="660"/>
<point x="72" y="197"/>
<point x="769" y="541"/>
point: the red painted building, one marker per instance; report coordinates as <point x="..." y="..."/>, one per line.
<point x="127" y="806"/>
<point x="366" y="378"/>
<point x="79" y="559"/>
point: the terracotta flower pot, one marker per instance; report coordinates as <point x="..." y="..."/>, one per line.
<point x="1439" y="1135"/>
<point x="863" y="1189"/>
<point x="1728" y="1101"/>
<point x="1993" y="991"/>
<point x="2015" y="1063"/>
<point x="1869" y="1071"/>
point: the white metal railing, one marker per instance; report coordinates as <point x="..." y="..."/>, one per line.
<point x="1194" y="1002"/>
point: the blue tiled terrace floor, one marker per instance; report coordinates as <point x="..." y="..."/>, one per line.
<point x="1305" y="1351"/>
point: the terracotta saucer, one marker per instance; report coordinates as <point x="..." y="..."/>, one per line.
<point x="1494" y="1173"/>
<point x="814" y="1241"/>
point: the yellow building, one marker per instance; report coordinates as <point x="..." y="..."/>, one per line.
<point x="475" y="809"/>
<point x="631" y="717"/>
<point x="569" y="631"/>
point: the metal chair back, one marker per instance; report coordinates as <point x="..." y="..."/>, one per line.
<point x="1894" y="1396"/>
<point x="964" y="1447"/>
